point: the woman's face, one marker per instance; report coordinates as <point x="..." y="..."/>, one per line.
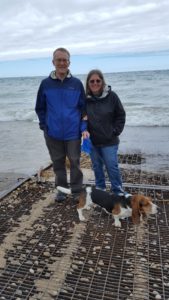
<point x="95" y="84"/>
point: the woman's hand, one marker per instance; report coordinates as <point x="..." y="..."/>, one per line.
<point x="85" y="134"/>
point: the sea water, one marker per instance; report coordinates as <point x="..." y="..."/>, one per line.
<point x="145" y="97"/>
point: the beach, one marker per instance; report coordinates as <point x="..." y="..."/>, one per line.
<point x="41" y="236"/>
<point x="23" y="150"/>
<point x="145" y="97"/>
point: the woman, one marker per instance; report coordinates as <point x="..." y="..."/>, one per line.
<point x="106" y="119"/>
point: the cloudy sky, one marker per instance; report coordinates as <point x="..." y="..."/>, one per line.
<point x="113" y="35"/>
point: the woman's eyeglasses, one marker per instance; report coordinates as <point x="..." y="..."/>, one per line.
<point x="95" y="80"/>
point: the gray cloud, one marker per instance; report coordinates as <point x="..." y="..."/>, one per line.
<point x="34" y="28"/>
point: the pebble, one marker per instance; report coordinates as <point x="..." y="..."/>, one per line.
<point x="91" y="270"/>
<point x="53" y="293"/>
<point x="13" y="284"/>
<point x="74" y="267"/>
<point x="84" y="279"/>
<point x="29" y="262"/>
<point x="143" y="259"/>
<point x="166" y="283"/>
<point x="96" y="248"/>
<point x="33" y="241"/>
<point x="101" y="263"/>
<point x="155" y="285"/>
<point x="46" y="254"/>
<point x="47" y="275"/>
<point x="83" y="249"/>
<point x="90" y="262"/>
<point x="64" y="291"/>
<point x="18" y="292"/>
<point x="52" y="246"/>
<point x="39" y="270"/>
<point x="158" y="296"/>
<point x="113" y="265"/>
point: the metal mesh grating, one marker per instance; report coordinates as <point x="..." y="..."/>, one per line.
<point x="127" y="263"/>
<point x="46" y="253"/>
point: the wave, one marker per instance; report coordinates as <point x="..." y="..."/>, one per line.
<point x="144" y="123"/>
<point x="19" y="116"/>
<point x="132" y="121"/>
<point x="147" y="125"/>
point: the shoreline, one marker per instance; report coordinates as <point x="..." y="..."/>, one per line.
<point x="128" y="164"/>
<point x="151" y="142"/>
<point x="23" y="150"/>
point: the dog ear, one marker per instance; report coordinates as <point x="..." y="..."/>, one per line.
<point x="143" y="203"/>
<point x="136" y="204"/>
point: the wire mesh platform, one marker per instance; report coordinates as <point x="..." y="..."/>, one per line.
<point x="46" y="253"/>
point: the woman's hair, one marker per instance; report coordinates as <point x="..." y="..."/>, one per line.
<point x="92" y="72"/>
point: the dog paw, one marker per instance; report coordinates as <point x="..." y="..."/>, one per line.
<point x="117" y="224"/>
<point x="82" y="219"/>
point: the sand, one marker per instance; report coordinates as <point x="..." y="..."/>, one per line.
<point x="29" y="154"/>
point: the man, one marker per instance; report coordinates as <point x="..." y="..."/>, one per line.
<point x="60" y="105"/>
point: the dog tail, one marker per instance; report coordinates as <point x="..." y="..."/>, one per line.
<point x="64" y="190"/>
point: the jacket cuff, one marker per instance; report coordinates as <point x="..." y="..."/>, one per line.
<point x="83" y="125"/>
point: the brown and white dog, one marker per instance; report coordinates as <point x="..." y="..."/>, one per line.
<point x="136" y="206"/>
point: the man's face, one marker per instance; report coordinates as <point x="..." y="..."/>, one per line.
<point x="61" y="63"/>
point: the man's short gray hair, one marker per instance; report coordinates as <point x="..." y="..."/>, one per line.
<point x="62" y="50"/>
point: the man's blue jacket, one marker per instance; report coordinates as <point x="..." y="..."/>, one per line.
<point x="60" y="106"/>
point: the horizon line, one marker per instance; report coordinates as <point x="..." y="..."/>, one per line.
<point x="82" y="74"/>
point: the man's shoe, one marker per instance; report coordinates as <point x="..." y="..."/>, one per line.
<point x="125" y="194"/>
<point x="60" y="197"/>
<point x="99" y="188"/>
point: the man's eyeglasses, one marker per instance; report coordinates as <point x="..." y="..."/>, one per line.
<point x="95" y="80"/>
<point x="59" y="60"/>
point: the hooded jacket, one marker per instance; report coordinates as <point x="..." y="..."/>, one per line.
<point x="60" y="106"/>
<point x="106" y="118"/>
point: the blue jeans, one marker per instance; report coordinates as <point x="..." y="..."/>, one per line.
<point x="106" y="156"/>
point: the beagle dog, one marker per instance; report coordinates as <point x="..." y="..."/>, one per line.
<point x="136" y="206"/>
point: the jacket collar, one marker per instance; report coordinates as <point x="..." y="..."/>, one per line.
<point x="105" y="92"/>
<point x="53" y="75"/>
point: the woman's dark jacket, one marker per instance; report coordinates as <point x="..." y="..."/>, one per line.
<point x="106" y="118"/>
